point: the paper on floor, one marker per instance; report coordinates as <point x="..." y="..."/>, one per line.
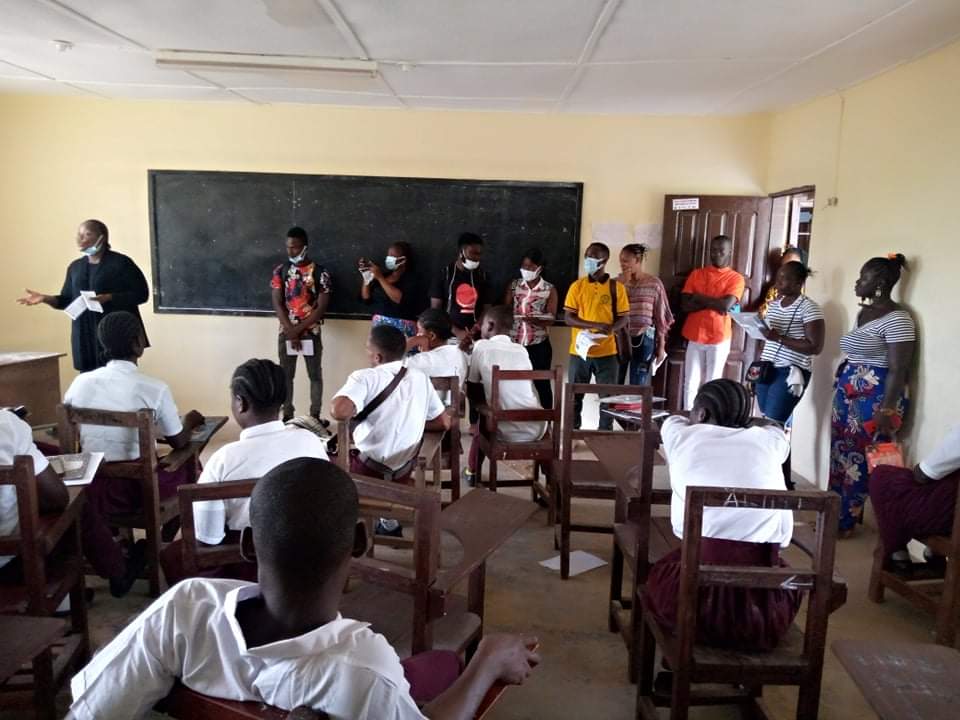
<point x="580" y="562"/>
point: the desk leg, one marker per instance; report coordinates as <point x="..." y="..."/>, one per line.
<point x="44" y="694"/>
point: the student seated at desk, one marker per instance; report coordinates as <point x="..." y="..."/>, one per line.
<point x="283" y="642"/>
<point x="497" y="348"/>
<point x="437" y="357"/>
<point x="121" y="387"/>
<point x="16" y="438"/>
<point x="391" y="405"/>
<point x="914" y="503"/>
<point x="719" y="446"/>
<point x="258" y="391"/>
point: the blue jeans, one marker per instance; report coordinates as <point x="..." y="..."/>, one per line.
<point x="604" y="369"/>
<point x="775" y="400"/>
<point x="641" y="359"/>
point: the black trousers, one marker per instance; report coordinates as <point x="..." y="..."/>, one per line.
<point x="541" y="358"/>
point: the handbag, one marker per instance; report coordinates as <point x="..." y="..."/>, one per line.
<point x="884" y="453"/>
<point x="764" y="372"/>
<point x="622" y="336"/>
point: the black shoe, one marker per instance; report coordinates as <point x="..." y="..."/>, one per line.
<point x="382" y="530"/>
<point x="136" y="562"/>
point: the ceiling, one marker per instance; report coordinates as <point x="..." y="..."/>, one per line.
<point x="583" y="56"/>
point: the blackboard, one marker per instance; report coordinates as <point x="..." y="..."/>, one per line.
<point x="216" y="236"/>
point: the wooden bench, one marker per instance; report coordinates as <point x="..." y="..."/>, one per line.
<point x="28" y="667"/>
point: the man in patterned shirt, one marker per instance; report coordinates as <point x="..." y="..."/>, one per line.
<point x="301" y="293"/>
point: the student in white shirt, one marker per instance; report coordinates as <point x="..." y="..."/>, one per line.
<point x="720" y="446"/>
<point x="437" y="357"/>
<point x="257" y="392"/>
<point x="16" y="438"/>
<point x="283" y="642"/>
<point x="121" y="387"/>
<point x="916" y="503"/>
<point x="389" y="436"/>
<point x="497" y="348"/>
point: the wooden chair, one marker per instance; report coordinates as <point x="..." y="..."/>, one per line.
<point x="414" y="604"/>
<point x="432" y="453"/>
<point x="155" y="512"/>
<point x="584" y="478"/>
<point x="940" y="597"/>
<point x="736" y="677"/>
<point x="48" y="547"/>
<point x="186" y="704"/>
<point x="543" y="452"/>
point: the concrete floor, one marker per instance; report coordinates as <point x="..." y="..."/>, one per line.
<point x="583" y="674"/>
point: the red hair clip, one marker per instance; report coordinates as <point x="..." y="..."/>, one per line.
<point x="892" y="256"/>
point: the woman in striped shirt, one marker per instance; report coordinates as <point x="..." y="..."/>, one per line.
<point x="870" y="396"/>
<point x="794" y="335"/>
<point x="650" y="316"/>
<point x="534" y="302"/>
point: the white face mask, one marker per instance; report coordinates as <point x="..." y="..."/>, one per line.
<point x="93" y="249"/>
<point x="392" y="263"/>
<point x="529" y="275"/>
<point x="470" y="264"/>
<point x="296" y="260"/>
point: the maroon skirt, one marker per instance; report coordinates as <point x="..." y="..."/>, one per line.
<point x="737" y="618"/>
<point x="905" y="509"/>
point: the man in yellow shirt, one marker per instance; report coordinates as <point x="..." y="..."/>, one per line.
<point x="589" y="307"/>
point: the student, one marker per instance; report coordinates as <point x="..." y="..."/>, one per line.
<point x="462" y="289"/>
<point x="391" y="291"/>
<point x="719" y="446"/>
<point x="16" y="438"/>
<point x="121" y="387"/>
<point x="283" y="642"/>
<point x="257" y="391"/>
<point x="708" y="296"/>
<point x="117" y="281"/>
<point x="918" y="502"/>
<point x="391" y="405"/>
<point x="437" y="357"/>
<point x="589" y="306"/>
<point x="496" y="348"/>
<point x="534" y="302"/>
<point x="301" y="292"/>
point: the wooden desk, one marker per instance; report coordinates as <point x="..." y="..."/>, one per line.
<point x="198" y="441"/>
<point x="32" y="379"/>
<point x="904" y="681"/>
<point x="619" y="454"/>
<point x="23" y="640"/>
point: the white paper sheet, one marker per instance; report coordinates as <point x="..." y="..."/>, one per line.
<point x="88" y="300"/>
<point x="657" y="363"/>
<point x="612" y="234"/>
<point x="751" y="323"/>
<point x="306" y="348"/>
<point x="580" y="562"/>
<point x="84" y="301"/>
<point x="93" y="464"/>
<point x="650" y="234"/>
<point x="586" y="340"/>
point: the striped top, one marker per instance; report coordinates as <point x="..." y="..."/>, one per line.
<point x="788" y="322"/>
<point x="867" y="344"/>
<point x="529" y="301"/>
<point x="648" y="305"/>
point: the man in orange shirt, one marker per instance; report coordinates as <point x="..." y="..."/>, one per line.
<point x="708" y="295"/>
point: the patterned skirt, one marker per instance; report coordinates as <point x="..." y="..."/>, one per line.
<point x="407" y="327"/>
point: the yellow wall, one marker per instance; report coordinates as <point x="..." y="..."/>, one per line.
<point x="889" y="150"/>
<point x="68" y="159"/>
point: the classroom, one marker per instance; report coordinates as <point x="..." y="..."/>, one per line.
<point x="240" y="162"/>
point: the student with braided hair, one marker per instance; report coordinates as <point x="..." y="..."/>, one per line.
<point x="721" y="446"/>
<point x="257" y="393"/>
<point x="121" y="387"/>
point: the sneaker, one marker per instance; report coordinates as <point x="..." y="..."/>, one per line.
<point x="136" y="562"/>
<point x="388" y="528"/>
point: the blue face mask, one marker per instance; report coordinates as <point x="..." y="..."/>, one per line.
<point x="392" y="263"/>
<point x="93" y="249"/>
<point x="591" y="265"/>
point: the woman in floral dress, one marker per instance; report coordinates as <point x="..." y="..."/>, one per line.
<point x="870" y="396"/>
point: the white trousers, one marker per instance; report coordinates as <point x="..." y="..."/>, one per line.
<point x="702" y="364"/>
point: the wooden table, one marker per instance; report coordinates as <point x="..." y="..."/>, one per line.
<point x="32" y="379"/>
<point x="904" y="681"/>
<point x="198" y="441"/>
<point x="25" y="639"/>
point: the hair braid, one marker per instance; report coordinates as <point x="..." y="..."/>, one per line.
<point x="262" y="383"/>
<point x="726" y="403"/>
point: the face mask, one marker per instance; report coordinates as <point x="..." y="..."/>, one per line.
<point x="591" y="265"/>
<point x="529" y="275"/>
<point x="470" y="264"/>
<point x="93" y="249"/>
<point x="299" y="258"/>
<point x="392" y="263"/>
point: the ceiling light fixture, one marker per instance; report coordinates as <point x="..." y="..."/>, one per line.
<point x="201" y="60"/>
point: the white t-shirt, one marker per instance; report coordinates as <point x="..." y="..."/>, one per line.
<point x="442" y="361"/>
<point x="715" y="456"/>
<point x="191" y="632"/>
<point x="392" y="433"/>
<point x="514" y="394"/>
<point x="945" y="459"/>
<point x="16" y="438"/>
<point x="258" y="451"/>
<point x="121" y="387"/>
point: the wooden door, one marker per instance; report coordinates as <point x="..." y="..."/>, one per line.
<point x="686" y="246"/>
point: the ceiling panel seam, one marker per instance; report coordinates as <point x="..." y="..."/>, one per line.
<point x="65" y="9"/>
<point x="603" y="19"/>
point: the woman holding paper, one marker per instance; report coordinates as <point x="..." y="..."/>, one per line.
<point x="101" y="282"/>
<point x="650" y="317"/>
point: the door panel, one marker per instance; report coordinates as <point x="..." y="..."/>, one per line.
<point x="686" y="246"/>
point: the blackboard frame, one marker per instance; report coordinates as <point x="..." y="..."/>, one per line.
<point x="154" y="174"/>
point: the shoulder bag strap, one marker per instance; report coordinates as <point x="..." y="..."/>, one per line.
<point x="379" y="399"/>
<point x="799" y="304"/>
<point x="613" y="299"/>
